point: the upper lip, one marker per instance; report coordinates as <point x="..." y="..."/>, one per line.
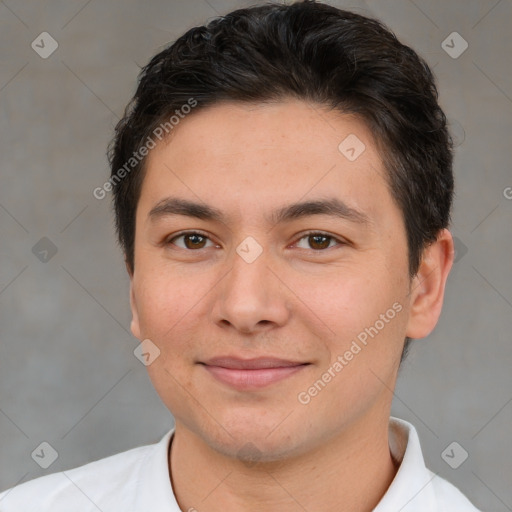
<point x="251" y="364"/>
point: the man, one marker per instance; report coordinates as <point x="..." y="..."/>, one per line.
<point x="282" y="187"/>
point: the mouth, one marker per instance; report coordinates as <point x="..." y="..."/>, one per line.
<point x="247" y="374"/>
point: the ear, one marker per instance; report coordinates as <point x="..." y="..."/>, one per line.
<point x="427" y="287"/>
<point x="134" y="325"/>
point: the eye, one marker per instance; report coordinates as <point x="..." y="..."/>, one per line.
<point x="319" y="241"/>
<point x="191" y="239"/>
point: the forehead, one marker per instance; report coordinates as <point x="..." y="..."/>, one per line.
<point x="289" y="125"/>
<point x="258" y="155"/>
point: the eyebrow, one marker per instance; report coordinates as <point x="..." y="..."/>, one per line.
<point x="332" y="207"/>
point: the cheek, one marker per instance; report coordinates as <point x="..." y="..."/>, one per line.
<point x="364" y="307"/>
<point x="166" y="310"/>
<point x="347" y="299"/>
<point x="162" y="304"/>
<point x="369" y="321"/>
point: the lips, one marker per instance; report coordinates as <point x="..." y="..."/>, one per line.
<point x="246" y="374"/>
<point x="251" y="364"/>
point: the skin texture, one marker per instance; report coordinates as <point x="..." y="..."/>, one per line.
<point x="301" y="299"/>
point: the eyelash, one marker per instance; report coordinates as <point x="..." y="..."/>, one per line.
<point x="304" y="235"/>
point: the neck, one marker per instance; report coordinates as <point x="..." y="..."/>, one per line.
<point x="350" y="472"/>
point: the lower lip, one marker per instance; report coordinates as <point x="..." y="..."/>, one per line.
<point x="252" y="379"/>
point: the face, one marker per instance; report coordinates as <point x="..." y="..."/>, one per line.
<point x="321" y="293"/>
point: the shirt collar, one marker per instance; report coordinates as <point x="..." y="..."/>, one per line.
<point x="156" y="488"/>
<point x="411" y="490"/>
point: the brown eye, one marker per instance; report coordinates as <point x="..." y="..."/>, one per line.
<point x="319" y="241"/>
<point x="191" y="240"/>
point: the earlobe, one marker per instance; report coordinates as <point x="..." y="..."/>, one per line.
<point x="134" y="325"/>
<point x="427" y="288"/>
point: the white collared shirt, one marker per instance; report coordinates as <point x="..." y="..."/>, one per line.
<point x="138" y="480"/>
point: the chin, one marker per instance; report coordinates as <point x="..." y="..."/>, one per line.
<point x="252" y="440"/>
<point x="256" y="449"/>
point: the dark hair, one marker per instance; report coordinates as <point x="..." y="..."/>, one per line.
<point x="313" y="52"/>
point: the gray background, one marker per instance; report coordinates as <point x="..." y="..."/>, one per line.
<point x="68" y="375"/>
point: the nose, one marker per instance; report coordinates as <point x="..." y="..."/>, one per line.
<point x="251" y="297"/>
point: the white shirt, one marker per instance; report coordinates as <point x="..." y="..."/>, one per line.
<point x="138" y="480"/>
